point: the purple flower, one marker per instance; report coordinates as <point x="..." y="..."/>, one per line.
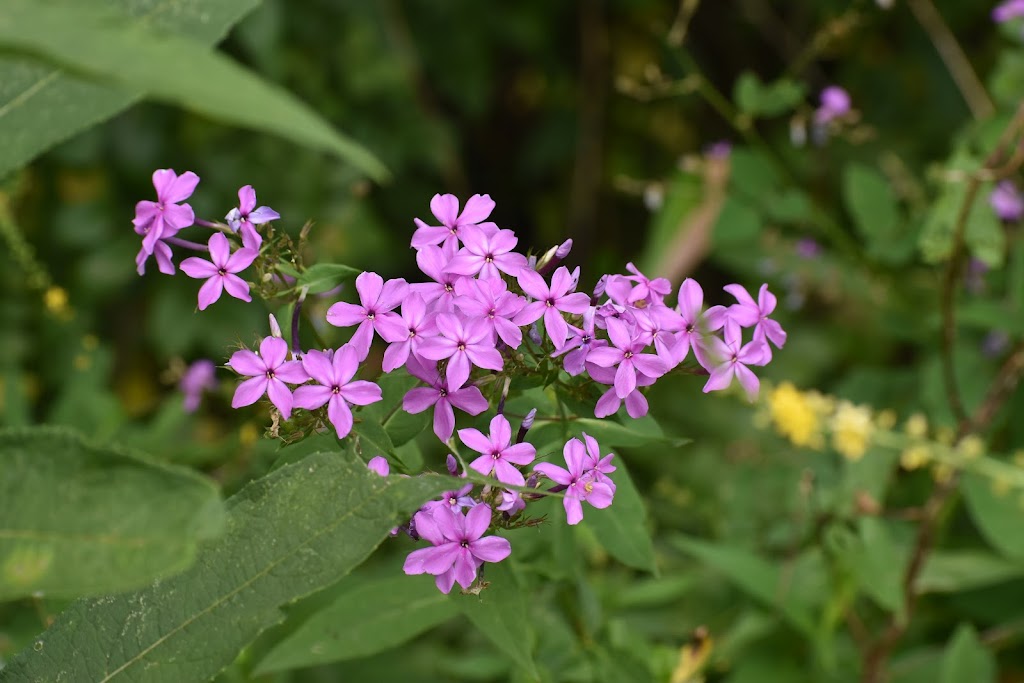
<point x="732" y="359"/>
<point x="748" y="313"/>
<point x="691" y="302"/>
<point x="220" y="270"/>
<point x="243" y="218"/>
<point x="1008" y="11"/>
<point x="597" y="466"/>
<point x="418" y="325"/>
<point x="578" y="480"/>
<point x="334" y="386"/>
<point x="551" y="302"/>
<point x="490" y="301"/>
<point x="440" y="293"/>
<point x="511" y="503"/>
<point x="627" y="355"/>
<point x="268" y="371"/>
<point x="199" y="377"/>
<point x="379" y="465"/>
<point x="467" y="399"/>
<point x="579" y="344"/>
<point x="465" y="344"/>
<point x="835" y="103"/>
<point x="376" y="301"/>
<point x="1006" y="201"/>
<point x="808" y="248"/>
<point x="454" y="226"/>
<point x="497" y="455"/>
<point x="609" y="402"/>
<point x="164" y="217"/>
<point x="459" y="546"/>
<point x="488" y="254"/>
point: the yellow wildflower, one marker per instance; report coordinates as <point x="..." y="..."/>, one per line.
<point x="916" y="426"/>
<point x="56" y="300"/>
<point x="851" y="430"/>
<point x="794" y="415"/>
<point x="915" y="456"/>
<point x="971" y="447"/>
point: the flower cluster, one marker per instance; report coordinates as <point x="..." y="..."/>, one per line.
<point x="481" y="312"/>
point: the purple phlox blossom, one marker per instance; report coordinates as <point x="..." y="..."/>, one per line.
<point x="440" y="293"/>
<point x="220" y="270"/>
<point x="834" y="103"/>
<point x="487" y="253"/>
<point x="164" y="217"/>
<point x="579" y="344"/>
<point x="417" y="324"/>
<point x="646" y="289"/>
<point x="597" y="466"/>
<point x="454" y="500"/>
<point x="657" y="324"/>
<point x="454" y="226"/>
<point x="609" y="402"/>
<point x="373" y="313"/>
<point x="199" y="377"/>
<point x="379" y="465"/>
<point x="512" y="503"/>
<point x="490" y="301"/>
<point x="459" y="546"/>
<point x="334" y="386"/>
<point x="268" y="372"/>
<point x="580" y="484"/>
<point x="245" y="217"/>
<point x="1006" y="200"/>
<point x="628" y="357"/>
<point x="465" y="343"/>
<point x="498" y="455"/>
<point x="551" y="302"/>
<point x="808" y="248"/>
<point x="689" y="307"/>
<point x="730" y="358"/>
<point x="750" y="313"/>
<point x="467" y="399"/>
<point x="1008" y="11"/>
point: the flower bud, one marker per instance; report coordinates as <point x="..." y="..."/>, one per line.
<point x="504" y="395"/>
<point x="452" y="464"/>
<point x="526" y="424"/>
<point x="275" y="328"/>
<point x="563" y="249"/>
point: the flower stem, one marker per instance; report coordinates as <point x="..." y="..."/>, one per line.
<point x="185" y="244"/>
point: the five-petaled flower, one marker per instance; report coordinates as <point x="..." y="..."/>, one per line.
<point x="454" y="225"/>
<point x="376" y="301"/>
<point x="551" y="302"/>
<point x="459" y="546"/>
<point x="220" y="270"/>
<point x="579" y="480"/>
<point x="497" y="454"/>
<point x="163" y="218"/>
<point x="245" y="217"/>
<point x="268" y="372"/>
<point x="334" y="386"/>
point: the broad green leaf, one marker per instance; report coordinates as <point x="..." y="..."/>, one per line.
<point x="293" y="532"/>
<point x="42" y="105"/>
<point x="758" y="99"/>
<point x="873" y="559"/>
<point x="761" y="579"/>
<point x="370" y="617"/>
<point x="998" y="516"/>
<point x="372" y="440"/>
<point x="323" y="277"/>
<point x="80" y="519"/>
<point x="950" y="571"/>
<point x="873" y="205"/>
<point x="500" y="613"/>
<point x="400" y="425"/>
<point x="966" y="659"/>
<point x="622" y="528"/>
<point x="110" y="47"/>
<point x="737" y="224"/>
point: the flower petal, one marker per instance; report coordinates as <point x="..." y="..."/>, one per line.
<point x="249" y="391"/>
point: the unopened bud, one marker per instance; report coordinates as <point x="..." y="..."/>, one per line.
<point x="275" y="329"/>
<point x="526" y="424"/>
<point x="452" y="464"/>
<point x="599" y="288"/>
<point x="534" y="334"/>
<point x="552" y="257"/>
<point x="504" y="395"/>
<point x="563" y="249"/>
<point x="532" y="481"/>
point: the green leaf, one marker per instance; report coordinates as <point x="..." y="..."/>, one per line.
<point x="108" y="46"/>
<point x="737" y="224"/>
<point x="500" y="614"/>
<point x="756" y="576"/>
<point x="951" y="571"/>
<point x="401" y="426"/>
<point x="42" y="105"/>
<point x="373" y="440"/>
<point x="370" y="617"/>
<point x="81" y="519"/>
<point x="873" y="205"/>
<point x="997" y="516"/>
<point x="758" y="99"/>
<point x="966" y="659"/>
<point x="323" y="277"/>
<point x="622" y="528"/>
<point x="875" y="561"/>
<point x="293" y="532"/>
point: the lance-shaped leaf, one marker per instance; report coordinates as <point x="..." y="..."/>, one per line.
<point x="42" y="104"/>
<point x="78" y="519"/>
<point x="108" y="47"/>
<point x="622" y="528"/>
<point x="293" y="532"/>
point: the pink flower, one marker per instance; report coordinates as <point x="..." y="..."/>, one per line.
<point x="732" y="360"/>
<point x="199" y="377"/>
<point x="609" y="402"/>
<point x="335" y="387"/>
<point x="467" y="399"/>
<point x="579" y="481"/>
<point x="579" y="344"/>
<point x="497" y="454"/>
<point x="243" y="218"/>
<point x="748" y="313"/>
<point x="440" y="293"/>
<point x="220" y="270"/>
<point x="835" y="103"/>
<point x="487" y="254"/>
<point x="465" y="344"/>
<point x="459" y="546"/>
<point x="551" y="302"/>
<point x="376" y="301"/>
<point x="490" y="301"/>
<point x="164" y="217"/>
<point x="418" y="325"/>
<point x="454" y="226"/>
<point x="627" y="354"/>
<point x="269" y="371"/>
<point x="691" y="302"/>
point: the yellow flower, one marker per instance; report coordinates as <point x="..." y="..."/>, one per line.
<point x="971" y="447"/>
<point x="851" y="430"/>
<point x="794" y="415"/>
<point x="915" y="456"/>
<point x="916" y="426"/>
